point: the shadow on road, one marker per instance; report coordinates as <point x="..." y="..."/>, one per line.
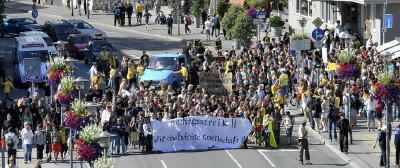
<point x="148" y="44"/>
<point x="17" y="7"/>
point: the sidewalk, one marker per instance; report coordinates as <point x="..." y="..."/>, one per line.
<point x="361" y="153"/>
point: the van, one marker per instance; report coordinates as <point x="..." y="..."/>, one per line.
<point x="160" y="70"/>
<point x="30" y="57"/>
<point x="46" y="38"/>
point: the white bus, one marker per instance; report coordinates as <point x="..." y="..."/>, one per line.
<point x="30" y="59"/>
<point x="50" y="46"/>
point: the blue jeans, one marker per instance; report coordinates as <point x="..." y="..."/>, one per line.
<point x="170" y="30"/>
<point x="117" y="142"/>
<point x="332" y="125"/>
<point x="396" y="110"/>
<point x="289" y="134"/>
<point x="27" y="152"/>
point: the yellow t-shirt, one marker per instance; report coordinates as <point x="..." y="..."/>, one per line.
<point x="139" y="8"/>
<point x="140" y="69"/>
<point x="7" y="86"/>
<point x="131" y="72"/>
<point x="97" y="80"/>
<point x="113" y="72"/>
<point x="337" y="102"/>
<point x="184" y="72"/>
<point x="284" y="79"/>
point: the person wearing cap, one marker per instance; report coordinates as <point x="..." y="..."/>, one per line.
<point x="303" y="142"/>
<point x="382" y="145"/>
<point x="344" y="128"/>
<point x="27" y="140"/>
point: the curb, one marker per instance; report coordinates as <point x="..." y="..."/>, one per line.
<point x="353" y="163"/>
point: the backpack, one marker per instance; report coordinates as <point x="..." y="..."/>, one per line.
<point x="56" y="138"/>
<point x="188" y="21"/>
<point x="9" y="142"/>
<point x="117" y="12"/>
<point x="169" y="20"/>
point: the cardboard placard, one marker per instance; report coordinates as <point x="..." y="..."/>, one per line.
<point x="216" y="83"/>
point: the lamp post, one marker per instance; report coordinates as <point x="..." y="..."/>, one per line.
<point x="72" y="7"/>
<point x="69" y="63"/>
<point x="91" y="107"/>
<point x="387" y="57"/>
<point x="61" y="47"/>
<point x="302" y="21"/>
<point x="80" y="84"/>
<point x="181" y="4"/>
<point x="347" y="39"/>
<point x="105" y="141"/>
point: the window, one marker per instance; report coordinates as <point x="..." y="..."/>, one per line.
<point x="304" y="7"/>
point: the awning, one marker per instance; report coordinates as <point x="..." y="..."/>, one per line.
<point x="392" y="47"/>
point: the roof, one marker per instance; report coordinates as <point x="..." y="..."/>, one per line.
<point x="35" y="33"/>
<point x="29" y="39"/>
<point x="167" y="55"/>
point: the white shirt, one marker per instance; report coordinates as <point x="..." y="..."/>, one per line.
<point x="303" y="132"/>
<point x="147" y="129"/>
<point x="92" y="71"/>
<point x="207" y="25"/>
<point x="27" y="136"/>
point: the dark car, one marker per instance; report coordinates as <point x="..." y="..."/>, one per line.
<point x="13" y="26"/>
<point x="77" y="45"/>
<point x="59" y="30"/>
<point x="95" y="47"/>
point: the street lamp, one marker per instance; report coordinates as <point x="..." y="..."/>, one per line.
<point x="69" y="63"/>
<point x="181" y="4"/>
<point x="72" y="7"/>
<point x="61" y="47"/>
<point x="302" y="21"/>
<point x="387" y="56"/>
<point x="91" y="107"/>
<point x="105" y="141"/>
<point x="80" y="82"/>
<point x="347" y="39"/>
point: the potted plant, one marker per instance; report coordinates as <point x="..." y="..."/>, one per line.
<point x="300" y="41"/>
<point x="276" y="23"/>
<point x="243" y="30"/>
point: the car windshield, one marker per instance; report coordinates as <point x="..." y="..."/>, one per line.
<point x="83" y="25"/>
<point x="25" y="21"/>
<point x="162" y="63"/>
<point x="48" y="41"/>
<point x="81" y="39"/>
<point x="66" y="29"/>
<point x="99" y="47"/>
<point x="42" y="54"/>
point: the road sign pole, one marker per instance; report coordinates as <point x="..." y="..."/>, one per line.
<point x="258" y="32"/>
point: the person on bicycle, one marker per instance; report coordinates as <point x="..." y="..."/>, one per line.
<point x="139" y="12"/>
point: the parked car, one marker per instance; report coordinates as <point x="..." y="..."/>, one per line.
<point x="86" y="28"/>
<point x="13" y="26"/>
<point x="95" y="47"/>
<point x="77" y="45"/>
<point x="52" y="49"/>
<point x="59" y="30"/>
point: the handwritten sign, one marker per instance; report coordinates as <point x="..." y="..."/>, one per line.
<point x="194" y="133"/>
<point x="332" y="66"/>
<point x="216" y="83"/>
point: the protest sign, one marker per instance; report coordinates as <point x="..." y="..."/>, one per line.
<point x="105" y="116"/>
<point x="196" y="133"/>
<point x="332" y="66"/>
<point x="216" y="83"/>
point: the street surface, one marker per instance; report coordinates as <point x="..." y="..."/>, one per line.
<point x="130" y="42"/>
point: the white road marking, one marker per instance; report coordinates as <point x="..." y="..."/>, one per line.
<point x="163" y="164"/>
<point x="282" y="150"/>
<point x="266" y="158"/>
<point x="234" y="159"/>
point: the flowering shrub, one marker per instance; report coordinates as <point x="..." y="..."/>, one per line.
<point x="346" y="71"/>
<point x="89" y="152"/>
<point x="54" y="76"/>
<point x="89" y="133"/>
<point x="385" y="78"/>
<point x="75" y="121"/>
<point x="104" y="163"/>
<point x="389" y="92"/>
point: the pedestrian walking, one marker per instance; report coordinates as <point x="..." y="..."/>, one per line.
<point x="12" y="141"/>
<point x="123" y="13"/>
<point x="118" y="144"/>
<point x="288" y="122"/>
<point x="117" y="15"/>
<point x="204" y="17"/>
<point x="333" y="118"/>
<point x="303" y="143"/>
<point x="27" y="141"/>
<point x="170" y="22"/>
<point x="370" y="105"/>
<point x="139" y="12"/>
<point x="188" y="21"/>
<point x="397" y="144"/>
<point x="7" y="88"/>
<point x="147" y="16"/>
<point x="208" y="29"/>
<point x="56" y="142"/>
<point x="39" y="140"/>
<point x="214" y="24"/>
<point x="79" y="4"/>
<point x="382" y="145"/>
<point x="344" y="128"/>
<point x="129" y="12"/>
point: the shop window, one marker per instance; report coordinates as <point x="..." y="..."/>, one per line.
<point x="304" y="7"/>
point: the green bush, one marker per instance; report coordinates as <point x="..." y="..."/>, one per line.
<point x="299" y="36"/>
<point x="258" y="3"/>
<point x="197" y="7"/>
<point x="357" y="44"/>
<point x="276" y="21"/>
<point x="222" y="7"/>
<point x="228" y="21"/>
<point x="243" y="30"/>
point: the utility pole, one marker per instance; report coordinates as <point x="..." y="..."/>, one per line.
<point x="72" y="7"/>
<point x="179" y="18"/>
<point x="384" y="22"/>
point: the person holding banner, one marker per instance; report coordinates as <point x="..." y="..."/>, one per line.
<point x="148" y="134"/>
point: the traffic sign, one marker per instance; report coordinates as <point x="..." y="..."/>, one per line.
<point x="261" y="15"/>
<point x="35" y="13"/>
<point x="388" y="21"/>
<point x="318" y="34"/>
<point x="318" y="22"/>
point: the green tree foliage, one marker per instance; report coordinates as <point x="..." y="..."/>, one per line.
<point x="243" y="30"/>
<point x="197" y="7"/>
<point x="229" y="19"/>
<point x="258" y="3"/>
<point x="222" y="7"/>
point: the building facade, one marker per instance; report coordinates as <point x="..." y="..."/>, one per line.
<point x="365" y="17"/>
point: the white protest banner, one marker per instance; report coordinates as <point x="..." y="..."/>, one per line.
<point x="105" y="116"/>
<point x="196" y="133"/>
<point x="216" y="83"/>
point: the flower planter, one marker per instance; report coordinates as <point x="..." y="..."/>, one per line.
<point x="276" y="31"/>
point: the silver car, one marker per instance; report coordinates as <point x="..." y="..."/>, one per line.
<point x="85" y="28"/>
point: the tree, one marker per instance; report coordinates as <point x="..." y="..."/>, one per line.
<point x="2" y="11"/>
<point x="228" y="21"/>
<point x="198" y="7"/>
<point x="257" y="3"/>
<point x="243" y="30"/>
<point x="222" y="7"/>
